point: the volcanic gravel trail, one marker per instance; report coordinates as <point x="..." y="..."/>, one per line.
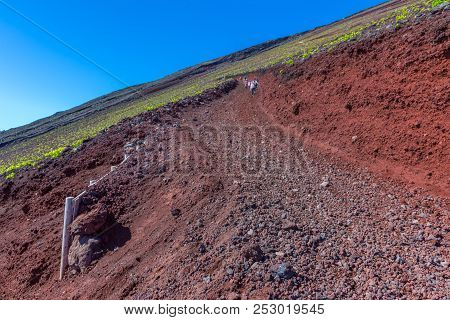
<point x="228" y="196"/>
<point x="276" y="224"/>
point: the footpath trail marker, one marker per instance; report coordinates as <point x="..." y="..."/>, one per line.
<point x="68" y="217"/>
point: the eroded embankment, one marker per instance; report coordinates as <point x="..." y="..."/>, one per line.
<point x="229" y="195"/>
<point x="382" y="102"/>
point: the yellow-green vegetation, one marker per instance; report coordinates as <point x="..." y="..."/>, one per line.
<point x="289" y="62"/>
<point x="52" y="143"/>
<point x="435" y="3"/>
<point x="10" y="175"/>
<point x="54" y="153"/>
<point x="77" y="143"/>
<point x="402" y="15"/>
<point x="344" y="38"/>
<point x="9" y="170"/>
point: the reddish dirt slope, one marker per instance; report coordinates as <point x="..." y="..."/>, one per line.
<point x="229" y="195"/>
<point x="389" y="93"/>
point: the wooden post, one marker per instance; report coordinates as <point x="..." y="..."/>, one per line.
<point x="76" y="206"/>
<point x="68" y="216"/>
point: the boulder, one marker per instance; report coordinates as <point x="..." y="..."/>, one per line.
<point x="90" y="223"/>
<point x="83" y="251"/>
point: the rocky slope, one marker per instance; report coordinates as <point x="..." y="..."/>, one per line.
<point x="330" y="183"/>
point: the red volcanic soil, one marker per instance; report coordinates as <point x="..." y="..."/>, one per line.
<point x="332" y="182"/>
<point x="382" y="102"/>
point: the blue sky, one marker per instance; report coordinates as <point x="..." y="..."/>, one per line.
<point x="136" y="41"/>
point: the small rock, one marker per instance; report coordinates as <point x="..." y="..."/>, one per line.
<point x="289" y="225"/>
<point x="432" y="238"/>
<point x="420" y="235"/>
<point x="325" y="183"/>
<point x="254" y="253"/>
<point x="200" y="223"/>
<point x="175" y="212"/>
<point x="26" y="208"/>
<point x="202" y="248"/>
<point x="285" y="272"/>
<point x="354" y="138"/>
<point x="399" y="259"/>
<point x="268" y="277"/>
<point x="230" y="271"/>
<point x="296" y="108"/>
<point x="254" y="265"/>
<point x="250" y="232"/>
<point x="234" y="296"/>
<point x="162" y="169"/>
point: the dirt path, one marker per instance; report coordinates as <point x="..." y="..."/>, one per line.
<point x="229" y="195"/>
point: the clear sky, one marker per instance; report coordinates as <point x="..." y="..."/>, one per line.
<point x="136" y="41"/>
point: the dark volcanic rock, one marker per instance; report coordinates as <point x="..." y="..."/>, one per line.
<point x="83" y="251"/>
<point x="91" y="222"/>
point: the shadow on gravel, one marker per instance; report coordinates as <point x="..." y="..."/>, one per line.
<point x="117" y="236"/>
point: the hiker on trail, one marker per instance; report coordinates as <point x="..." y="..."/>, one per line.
<point x="246" y="82"/>
<point x="253" y="86"/>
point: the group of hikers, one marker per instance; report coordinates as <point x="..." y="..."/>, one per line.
<point x="251" y="85"/>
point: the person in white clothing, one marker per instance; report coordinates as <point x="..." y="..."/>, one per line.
<point x="253" y="86"/>
<point x="245" y="82"/>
